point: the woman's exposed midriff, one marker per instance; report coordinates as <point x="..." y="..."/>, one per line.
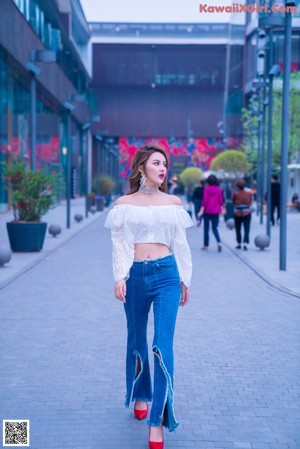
<point x="150" y="251"/>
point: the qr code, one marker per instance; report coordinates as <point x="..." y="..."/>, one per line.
<point x="16" y="432"/>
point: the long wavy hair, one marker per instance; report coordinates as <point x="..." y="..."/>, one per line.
<point x="140" y="158"/>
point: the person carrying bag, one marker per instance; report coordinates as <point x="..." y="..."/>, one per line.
<point x="242" y="201"/>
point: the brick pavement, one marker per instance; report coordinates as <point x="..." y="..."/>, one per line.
<point x="63" y="353"/>
<point x="21" y="262"/>
<point x="266" y="263"/>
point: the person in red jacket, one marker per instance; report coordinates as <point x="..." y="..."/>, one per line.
<point x="242" y="200"/>
<point x="211" y="208"/>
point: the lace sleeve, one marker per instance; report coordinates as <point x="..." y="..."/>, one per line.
<point x="182" y="253"/>
<point x="122" y="254"/>
<point x="122" y="244"/>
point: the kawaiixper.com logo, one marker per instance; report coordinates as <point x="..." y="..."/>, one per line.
<point x="250" y="8"/>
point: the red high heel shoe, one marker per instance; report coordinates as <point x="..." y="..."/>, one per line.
<point x="140" y="414"/>
<point x="156" y="444"/>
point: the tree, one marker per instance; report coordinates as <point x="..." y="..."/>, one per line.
<point x="294" y="122"/>
<point x="191" y="176"/>
<point x="250" y="124"/>
<point x="103" y="184"/>
<point x="231" y="164"/>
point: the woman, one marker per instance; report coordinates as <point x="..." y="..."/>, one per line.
<point x="211" y="208"/>
<point x="242" y="201"/>
<point x="152" y="265"/>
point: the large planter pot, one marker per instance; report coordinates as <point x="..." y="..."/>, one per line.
<point x="26" y="237"/>
<point x="100" y="203"/>
<point x="91" y="201"/>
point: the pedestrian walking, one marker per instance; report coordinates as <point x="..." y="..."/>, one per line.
<point x="295" y="200"/>
<point x="242" y="201"/>
<point x="197" y="199"/>
<point x="211" y="208"/>
<point x="151" y="265"/>
<point x="275" y="199"/>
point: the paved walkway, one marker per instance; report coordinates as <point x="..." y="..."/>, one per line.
<point x="63" y="351"/>
<point x="21" y="262"/>
<point x="266" y="263"/>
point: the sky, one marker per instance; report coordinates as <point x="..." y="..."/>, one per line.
<point x="182" y="11"/>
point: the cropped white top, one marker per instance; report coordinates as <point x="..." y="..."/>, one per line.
<point x="165" y="224"/>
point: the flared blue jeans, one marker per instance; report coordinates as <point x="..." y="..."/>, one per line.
<point x="157" y="282"/>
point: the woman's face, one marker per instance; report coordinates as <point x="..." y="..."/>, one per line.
<point x="156" y="169"/>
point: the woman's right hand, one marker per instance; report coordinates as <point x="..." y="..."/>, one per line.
<point x="120" y="290"/>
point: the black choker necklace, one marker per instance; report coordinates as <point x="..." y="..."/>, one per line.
<point x="148" y="190"/>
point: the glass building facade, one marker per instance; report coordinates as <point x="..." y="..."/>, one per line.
<point x="46" y="26"/>
<point x="42" y="27"/>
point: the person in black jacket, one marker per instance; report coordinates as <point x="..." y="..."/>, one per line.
<point x="275" y="198"/>
<point x="197" y="199"/>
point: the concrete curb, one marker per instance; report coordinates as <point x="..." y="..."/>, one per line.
<point x="261" y="274"/>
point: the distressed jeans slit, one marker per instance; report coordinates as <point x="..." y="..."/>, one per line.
<point x="138" y="366"/>
<point x="166" y="415"/>
<point x="138" y="372"/>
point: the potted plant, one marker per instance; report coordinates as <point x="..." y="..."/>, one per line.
<point x="32" y="193"/>
<point x="105" y="184"/>
<point x="91" y="200"/>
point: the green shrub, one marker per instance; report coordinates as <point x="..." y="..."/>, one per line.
<point x="191" y="176"/>
<point x="232" y="163"/>
<point x="33" y="193"/>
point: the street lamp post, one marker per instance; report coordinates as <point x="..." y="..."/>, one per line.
<point x="285" y="136"/>
<point x="275" y="70"/>
<point x="85" y="128"/>
<point x="258" y="165"/>
<point x="270" y="21"/>
<point x="69" y="108"/>
<point x="260" y="87"/>
<point x="98" y="163"/>
<point x="263" y="152"/>
<point x="261" y="56"/>
<point x="34" y="71"/>
<point x="43" y="56"/>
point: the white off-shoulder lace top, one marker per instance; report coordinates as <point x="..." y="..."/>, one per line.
<point x="165" y="224"/>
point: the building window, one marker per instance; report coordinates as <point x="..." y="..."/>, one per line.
<point x="47" y="34"/>
<point x="20" y="5"/>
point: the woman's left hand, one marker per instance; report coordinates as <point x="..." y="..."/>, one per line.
<point x="185" y="295"/>
<point x="201" y="212"/>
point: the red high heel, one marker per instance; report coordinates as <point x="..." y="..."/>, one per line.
<point x="156" y="444"/>
<point x="140" y="414"/>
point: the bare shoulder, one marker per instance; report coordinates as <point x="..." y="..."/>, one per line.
<point x="121" y="200"/>
<point x="127" y="199"/>
<point x="175" y="200"/>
